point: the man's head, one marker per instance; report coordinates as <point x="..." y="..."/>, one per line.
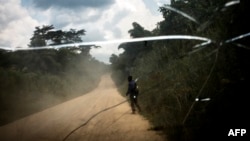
<point x="129" y="78"/>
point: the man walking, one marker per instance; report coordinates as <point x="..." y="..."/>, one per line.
<point x="133" y="94"/>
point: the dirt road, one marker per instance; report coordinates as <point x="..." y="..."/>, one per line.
<point x="86" y="118"/>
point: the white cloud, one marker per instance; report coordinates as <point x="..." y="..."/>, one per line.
<point x="15" y="24"/>
<point x="136" y="11"/>
<point x="105" y="23"/>
<point x="141" y="15"/>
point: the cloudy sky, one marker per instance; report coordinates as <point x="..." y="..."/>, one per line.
<point x="102" y="19"/>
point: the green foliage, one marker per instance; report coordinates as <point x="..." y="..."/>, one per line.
<point x="46" y="36"/>
<point x="34" y="80"/>
<point x="132" y="50"/>
<point x="171" y="76"/>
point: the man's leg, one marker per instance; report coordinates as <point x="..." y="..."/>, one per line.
<point x="132" y="102"/>
<point x="137" y="105"/>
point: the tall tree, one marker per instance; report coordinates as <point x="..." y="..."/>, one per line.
<point x="51" y="59"/>
<point x="45" y="35"/>
<point x="134" y="50"/>
<point x="138" y="31"/>
<point x="40" y="36"/>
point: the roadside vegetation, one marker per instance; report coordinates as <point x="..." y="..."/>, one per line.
<point x="37" y="79"/>
<point x="187" y="93"/>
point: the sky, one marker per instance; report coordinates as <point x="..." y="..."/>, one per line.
<point x="101" y="19"/>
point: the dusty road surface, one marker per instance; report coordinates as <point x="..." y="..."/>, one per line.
<point x="86" y="118"/>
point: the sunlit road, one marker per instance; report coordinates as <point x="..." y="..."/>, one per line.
<point x="77" y="119"/>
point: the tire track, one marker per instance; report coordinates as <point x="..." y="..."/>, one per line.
<point x="92" y="117"/>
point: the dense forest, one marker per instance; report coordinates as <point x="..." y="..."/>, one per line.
<point x="191" y="92"/>
<point x="188" y="90"/>
<point x="32" y="80"/>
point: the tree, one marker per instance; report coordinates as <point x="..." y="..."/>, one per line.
<point x="40" y="36"/>
<point x="125" y="61"/>
<point x="51" y="60"/>
<point x="138" y="31"/>
<point x="182" y="79"/>
<point x="45" y="35"/>
<point x="113" y="59"/>
<point x="73" y="36"/>
<point x="135" y="49"/>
